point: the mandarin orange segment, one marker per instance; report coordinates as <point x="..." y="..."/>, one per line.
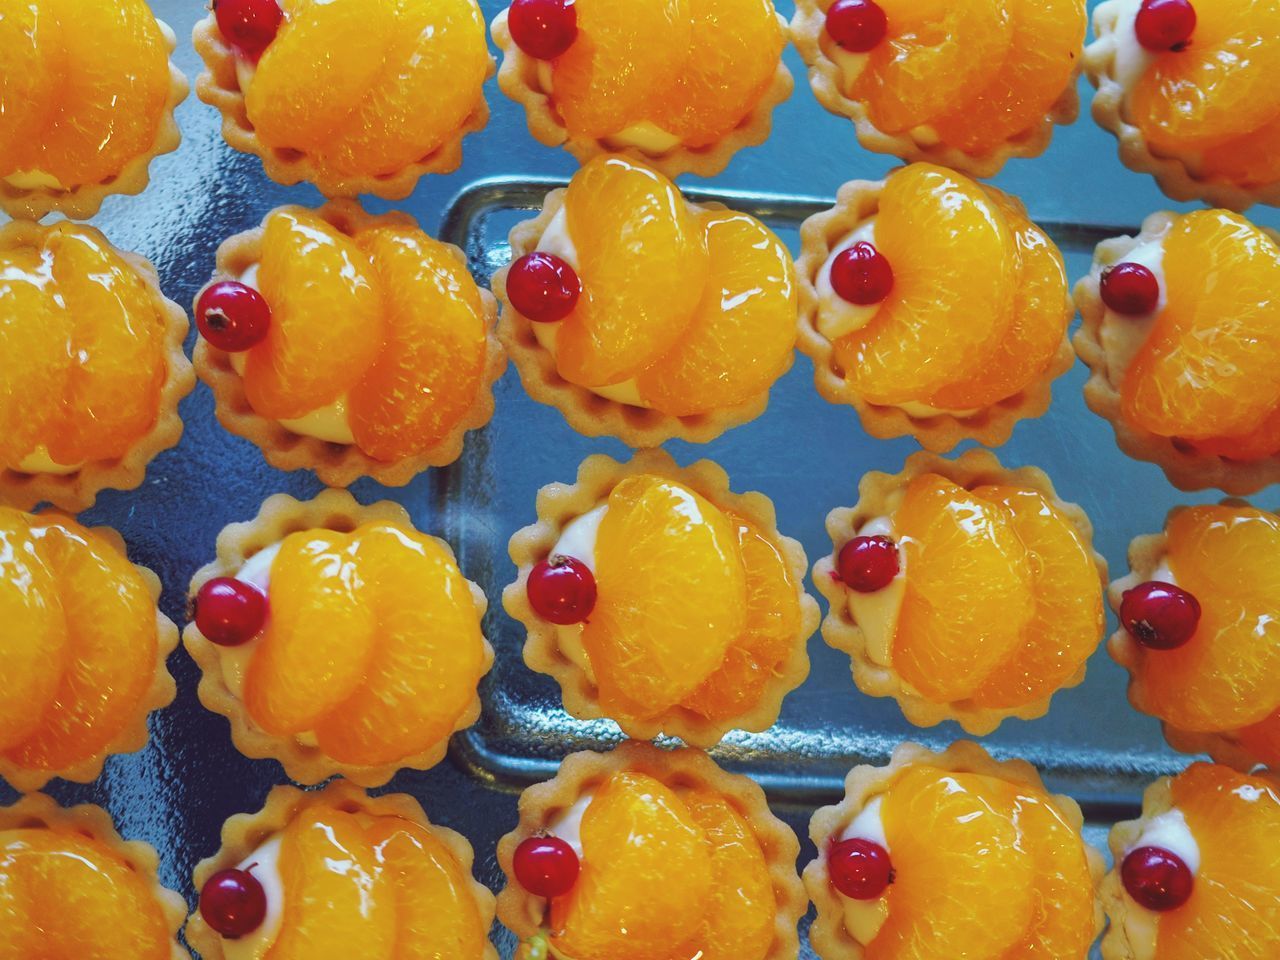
<point x="1262" y="740"/>
<point x="426" y="377"/>
<point x="955" y="268"/>
<point x="967" y="598"/>
<point x="741" y="336"/>
<point x="646" y="874"/>
<point x="22" y="939"/>
<point x="1263" y="441"/>
<point x="1068" y="620"/>
<point x="671" y="595"/>
<point x="1252" y="160"/>
<point x="326" y="317"/>
<point x="642" y="259"/>
<point x="34" y="63"/>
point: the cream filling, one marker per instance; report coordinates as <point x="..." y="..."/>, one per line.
<point x="1170" y="832"/>
<point x="864" y="918"/>
<point x="39" y="461"/>
<point x="265" y="862"/>
<point x="1123" y="336"/>
<point x="568" y="826"/>
<point x="578" y="540"/>
<point x="876" y="614"/>
<point x="1131" y="58"/>
<point x="645" y="136"/>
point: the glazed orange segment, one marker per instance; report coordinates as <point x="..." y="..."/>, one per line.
<point x="1262" y="740"/>
<point x="428" y="654"/>
<point x="646" y="874"/>
<point x="957" y="853"/>
<point x="671" y="595"/>
<point x="31" y="51"/>
<point x="742" y="334"/>
<point x="1209" y="367"/>
<point x="426" y="378"/>
<point x="955" y="268"/>
<point x="1068" y="621"/>
<point x="1234" y="910"/>
<point x="326" y="317"/>
<point x="968" y="594"/>
<point x="1252" y="160"/>
<point x="1261" y="442"/>
<point x="642" y="259"/>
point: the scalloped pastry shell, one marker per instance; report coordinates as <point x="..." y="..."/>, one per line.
<point x="36" y="810"/>
<point x="219" y="86"/>
<point x="560" y="504"/>
<point x="828" y="935"/>
<point x="78" y="490"/>
<point x="336" y="464"/>
<point x="245" y="832"/>
<point x="518" y="79"/>
<point x="878" y="495"/>
<point x="856" y="202"/>
<point x="524" y="914"/>
<point x="809" y="30"/>
<point x="279" y="516"/>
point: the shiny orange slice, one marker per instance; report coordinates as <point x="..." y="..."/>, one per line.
<point x="1252" y="160"/>
<point x="1262" y="740"/>
<point x="31" y="51"/>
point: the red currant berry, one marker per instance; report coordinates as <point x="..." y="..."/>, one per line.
<point x="868" y="564"/>
<point x="1156" y="878"/>
<point x="1160" y="615"/>
<point x="230" y="612"/>
<point x="562" y="590"/>
<point x="860" y="869"/>
<point x="543" y="29"/>
<point x="249" y="25"/>
<point x="546" y="866"/>
<point x="232" y="316"/>
<point x="857" y="25"/>
<point x="1164" y="25"/>
<point x="543" y="287"/>
<point x="1130" y="289"/>
<point x="862" y="274"/>
<point x="233" y="903"/>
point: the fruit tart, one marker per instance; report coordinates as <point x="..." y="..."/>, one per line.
<point x="963" y="590"/>
<point x="71" y="888"/>
<point x="966" y="84"/>
<point x="642" y="316"/>
<point x="336" y="638"/>
<point x="353" y="96"/>
<point x="84" y="647"/>
<point x="952" y="854"/>
<point x="338" y="873"/>
<point x="93" y="366"/>
<point x="1187" y="87"/>
<point x="1200" y="631"/>
<point x="649" y="854"/>
<point x="1199" y="874"/>
<point x="680" y="84"/>
<point x="934" y="307"/>
<point x="350" y="344"/>
<point x="89" y="93"/>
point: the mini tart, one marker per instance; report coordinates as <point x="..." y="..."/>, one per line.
<point x="244" y="833"/>
<point x="822" y="235"/>
<point x="279" y="516"/>
<point x="78" y="489"/>
<point x="36" y="811"/>
<point x="336" y="464"/>
<point x="219" y="85"/>
<point x="527" y="81"/>
<point x="880" y="495"/>
<point x="580" y="773"/>
<point x="559" y="504"/>
<point x="829" y="936"/>
<point x="824" y="57"/>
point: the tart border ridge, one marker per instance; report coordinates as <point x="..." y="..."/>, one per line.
<point x="279" y="516"/>
<point x="558" y="504"/>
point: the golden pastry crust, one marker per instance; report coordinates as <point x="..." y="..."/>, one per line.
<point x="518" y="78"/>
<point x="589" y="413"/>
<point x="219" y="86"/>
<point x="808" y="28"/>
<point x="245" y="832"/>
<point x="878" y="496"/>
<point x="37" y="811"/>
<point x="336" y="464"/>
<point x="82" y="202"/>
<point x="279" y="516"/>
<point x="820" y="235"/>
<point x="524" y="914"/>
<point x="828" y="935"/>
<point x="560" y="504"/>
<point x="79" y="489"/>
<point x="1175" y="177"/>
